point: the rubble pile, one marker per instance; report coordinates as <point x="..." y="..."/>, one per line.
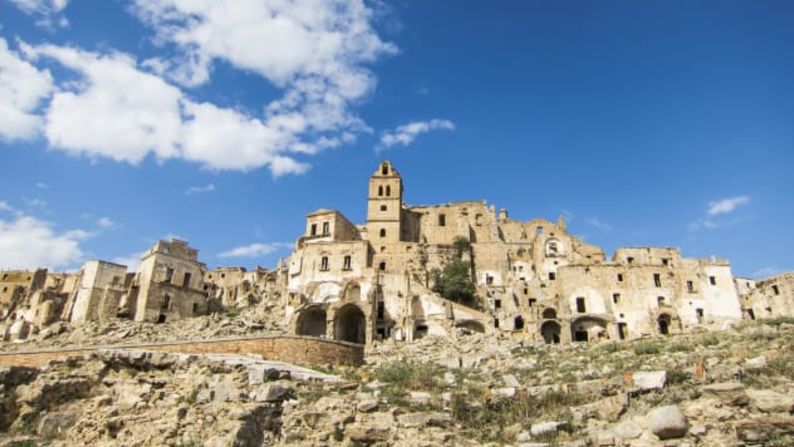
<point x="732" y="388"/>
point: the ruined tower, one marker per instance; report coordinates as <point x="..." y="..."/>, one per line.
<point x="384" y="205"/>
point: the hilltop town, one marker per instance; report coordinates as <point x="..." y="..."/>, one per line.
<point x="448" y="324"/>
<point x="384" y="280"/>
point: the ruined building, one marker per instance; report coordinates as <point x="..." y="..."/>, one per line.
<point x="365" y="282"/>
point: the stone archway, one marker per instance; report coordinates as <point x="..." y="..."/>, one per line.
<point x="518" y="323"/>
<point x="350" y="324"/>
<point x="312" y="321"/>
<point x="472" y="325"/>
<point x="588" y="329"/>
<point x="550" y="331"/>
<point x="549" y="314"/>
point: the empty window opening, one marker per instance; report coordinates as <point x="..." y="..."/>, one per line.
<point x="552" y="276"/>
<point x="580" y="305"/>
<point x="664" y="324"/>
<point x="553" y="249"/>
<point x="326" y="228"/>
<point x="166" y="303"/>
<point x="381" y="310"/>
<point x="496" y="323"/>
<point x="314" y="230"/>
<point x="488" y="280"/>
<point x="388" y="191"/>
<point x="347" y="263"/>
<point x="690" y="287"/>
<point x="380" y="191"/>
<point x="518" y="323"/>
<point x="195" y="308"/>
<point x="442" y="220"/>
<point x="775" y="290"/>
<point x="713" y="280"/>
<point x="497" y="304"/>
<point x="526" y="290"/>
<point x="665" y="261"/>
<point x="383" y="208"/>
<point x="384" y="169"/>
<point x="751" y="314"/>
<point x="620" y="277"/>
<point x="699" y="314"/>
<point x="531" y="302"/>
<point x="580" y="334"/>
<point x="169" y="274"/>
<point x="186" y="281"/>
<point x="615" y="298"/>
<point x="623" y="331"/>
<point x="382" y="249"/>
<point x="630" y="259"/>
<point x="478" y="219"/>
<point x="324" y="263"/>
<point x="161" y="319"/>
<point x="382" y="266"/>
<point x="660" y="300"/>
<point x="657" y="280"/>
<point x="382" y="232"/>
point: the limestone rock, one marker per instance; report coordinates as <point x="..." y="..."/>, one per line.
<point x="649" y="380"/>
<point x="770" y="401"/>
<point x="667" y="422"/>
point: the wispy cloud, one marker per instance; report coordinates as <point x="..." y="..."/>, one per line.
<point x="407" y="133"/>
<point x="254" y="250"/>
<point x="42" y="185"/>
<point x="106" y="222"/>
<point x="193" y="190"/>
<point x="728" y="205"/>
<point x="765" y="272"/>
<point x="597" y="223"/>
<point x="716" y="212"/>
<point x="48" y="12"/>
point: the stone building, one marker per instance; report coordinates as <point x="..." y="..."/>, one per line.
<point x="238" y="287"/>
<point x="168" y="284"/>
<point x="768" y="298"/>
<point x="365" y="282"/>
<point x="100" y="289"/>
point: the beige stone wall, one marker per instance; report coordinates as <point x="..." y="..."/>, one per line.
<point x="100" y="285"/>
<point x="771" y="298"/>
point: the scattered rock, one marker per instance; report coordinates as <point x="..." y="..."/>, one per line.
<point x="667" y="422"/>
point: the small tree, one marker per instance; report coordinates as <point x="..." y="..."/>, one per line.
<point x="461" y="245"/>
<point x="454" y="282"/>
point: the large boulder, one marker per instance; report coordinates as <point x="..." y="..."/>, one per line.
<point x="667" y="422"/>
<point x="770" y="401"/>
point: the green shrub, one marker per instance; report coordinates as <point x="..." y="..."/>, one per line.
<point x="647" y="347"/>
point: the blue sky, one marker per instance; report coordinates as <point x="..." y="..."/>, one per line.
<point x="225" y="122"/>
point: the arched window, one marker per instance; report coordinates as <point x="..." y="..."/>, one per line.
<point x="382" y="266"/>
<point x="384" y="169"/>
<point x="380" y="190"/>
<point x="388" y="191"/>
<point x="382" y="232"/>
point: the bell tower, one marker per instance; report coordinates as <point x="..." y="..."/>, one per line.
<point x="384" y="204"/>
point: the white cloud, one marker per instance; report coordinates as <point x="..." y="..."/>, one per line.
<point x="595" y="222"/>
<point x="254" y="250"/>
<point x="765" y="272"/>
<point x="209" y="187"/>
<point x="27" y="242"/>
<point x="42" y="185"/>
<point x="131" y="261"/>
<point x="22" y="87"/>
<point x="407" y="133"/>
<point x="728" y="205"/>
<point x="106" y="222"/>
<point x="49" y="12"/>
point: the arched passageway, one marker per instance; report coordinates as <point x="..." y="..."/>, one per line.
<point x="549" y="314"/>
<point x="312" y="322"/>
<point x="350" y="324"/>
<point x="587" y="329"/>
<point x="472" y="325"/>
<point x="664" y="322"/>
<point x="518" y="323"/>
<point x="550" y="331"/>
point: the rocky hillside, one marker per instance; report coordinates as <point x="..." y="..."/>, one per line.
<point x="714" y="389"/>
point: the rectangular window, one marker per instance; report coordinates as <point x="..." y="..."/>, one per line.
<point x="324" y="263"/>
<point x="552" y="276"/>
<point x="496" y="323"/>
<point x="620" y="277"/>
<point x="497" y="304"/>
<point x="775" y="290"/>
<point x="169" y="274"/>
<point x="657" y="280"/>
<point x="526" y="290"/>
<point x="630" y="259"/>
<point x="381" y="310"/>
<point x="713" y="280"/>
<point x="690" y="287"/>
<point x="186" y="281"/>
<point x="580" y="306"/>
<point x="347" y="263"/>
<point x="532" y="302"/>
<point x="478" y="219"/>
<point x="314" y="229"/>
<point x="699" y="313"/>
<point x="615" y="297"/>
<point x="442" y="220"/>
<point x="665" y="261"/>
<point x="488" y="280"/>
<point x="326" y="228"/>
